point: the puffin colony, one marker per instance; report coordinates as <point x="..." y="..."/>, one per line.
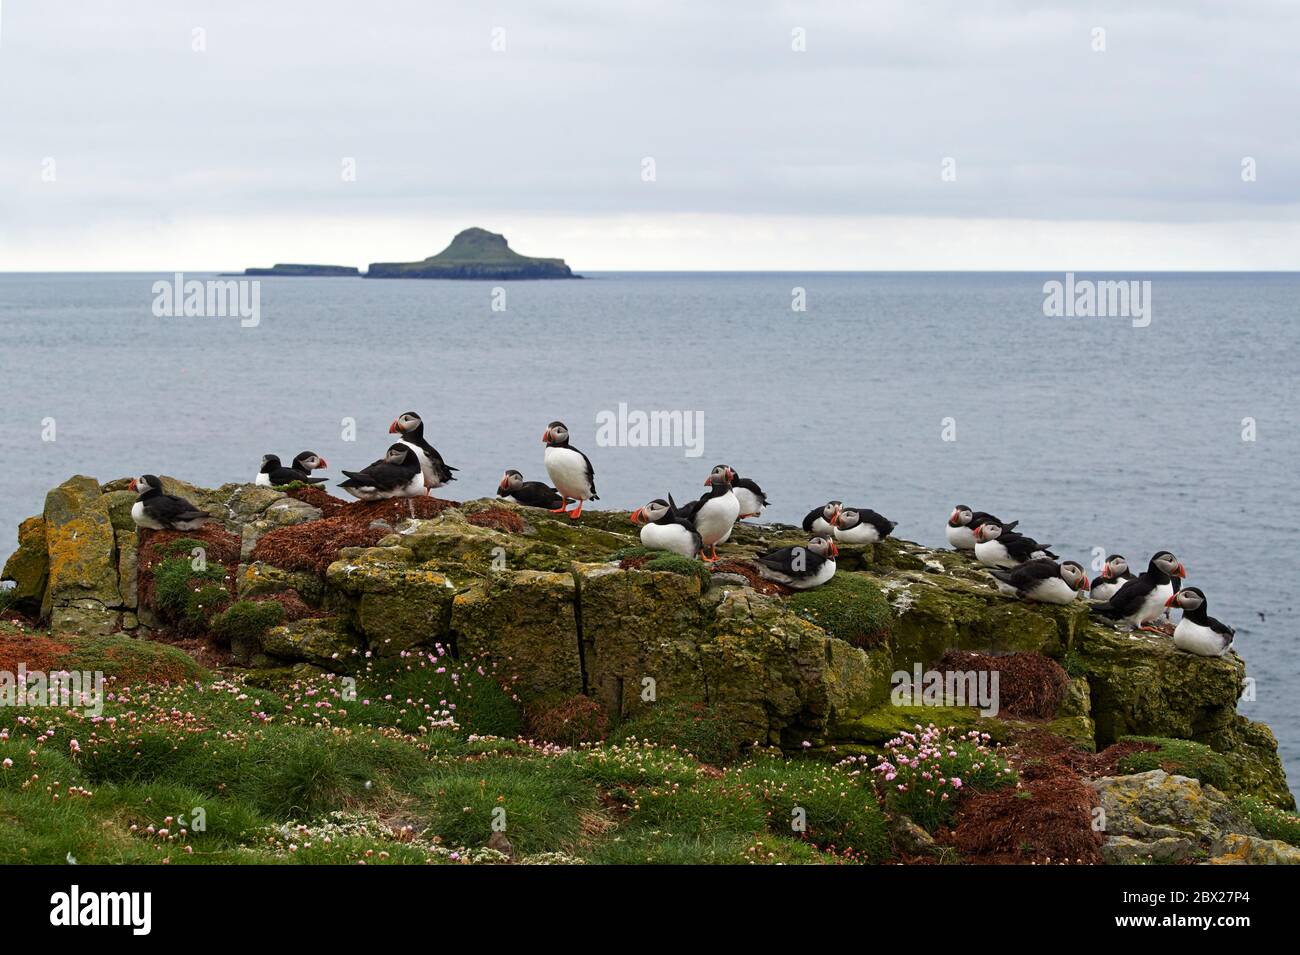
<point x="1019" y="565"/>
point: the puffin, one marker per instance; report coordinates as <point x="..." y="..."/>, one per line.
<point x="396" y="474"/>
<point x="1198" y="632"/>
<point x="749" y="494"/>
<point x="1043" y="580"/>
<point x="435" y="471"/>
<point x="1114" y="575"/>
<point x="516" y="490"/>
<point x="664" y="528"/>
<point x="801" y="566"/>
<point x="157" y="511"/>
<point x="997" y="547"/>
<point x="715" y="514"/>
<point x="821" y="520"/>
<point x="569" y="469"/>
<point x="962" y="523"/>
<point x="860" y="525"/>
<point x="1143" y="599"/>
<point x="274" y="474"/>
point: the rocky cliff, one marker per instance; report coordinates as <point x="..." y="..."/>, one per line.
<point x="579" y="610"/>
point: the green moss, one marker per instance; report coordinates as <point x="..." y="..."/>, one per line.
<point x="1272" y="823"/>
<point x="707" y="731"/>
<point x="187" y="596"/>
<point x="677" y="564"/>
<point x="1179" y="757"/>
<point x="247" y="620"/>
<point x="850" y="607"/>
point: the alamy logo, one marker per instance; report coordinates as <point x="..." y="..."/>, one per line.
<point x="215" y="298"/>
<point x="946" y="688"/>
<point x="651" y="429"/>
<point x="1085" y="298"/>
<point x="74" y="907"/>
<point x="83" y="690"/>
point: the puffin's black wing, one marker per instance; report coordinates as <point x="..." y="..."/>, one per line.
<point x="1126" y="600"/>
<point x="168" y="509"/>
<point x="537" y="494"/>
<point x="289" y="475"/>
<point x="591" y="474"/>
<point x="1218" y="626"/>
<point x="675" y="516"/>
<point x="784" y="558"/>
<point x="441" y="469"/>
<point x="691" y="508"/>
<point x="381" y="475"/>
<point x="1029" y="573"/>
<point x="1021" y="547"/>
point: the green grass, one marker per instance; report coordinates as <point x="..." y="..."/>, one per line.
<point x="1181" y="758"/>
<point x="707" y="732"/>
<point x="850" y="607"/>
<point x="408" y="769"/>
<point x="246" y="620"/>
<point x="1272" y="823"/>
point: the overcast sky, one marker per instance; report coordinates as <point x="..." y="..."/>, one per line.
<point x="168" y="157"/>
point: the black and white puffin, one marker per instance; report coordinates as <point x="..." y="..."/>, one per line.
<point x="569" y="469"/>
<point x="274" y="474"/>
<point x="1043" y="580"/>
<point x="749" y="494"/>
<point x="396" y="474"/>
<point x="1114" y="575"/>
<point x="1198" y="632"/>
<point x="715" y="514"/>
<point x="411" y="428"/>
<point x="962" y="523"/>
<point x="861" y="525"/>
<point x="516" y="490"/>
<point x="821" y="520"/>
<point x="802" y="566"/>
<point x="157" y="511"/>
<point x="1143" y="598"/>
<point x="997" y="547"/>
<point x="664" y="528"/>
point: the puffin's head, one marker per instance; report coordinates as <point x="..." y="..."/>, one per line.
<point x="405" y="423"/>
<point x="961" y="516"/>
<point x="650" y="512"/>
<point x="556" y="435"/>
<point x="1073" y="575"/>
<point x="823" y="547"/>
<point x="146" y="483"/>
<point x="309" y="461"/>
<point x="1189" y="598"/>
<point x="270" y="462"/>
<point x="397" y="454"/>
<point x="1167" y="563"/>
<point x="1115" y="566"/>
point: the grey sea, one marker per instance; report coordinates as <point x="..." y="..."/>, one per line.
<point x="906" y="392"/>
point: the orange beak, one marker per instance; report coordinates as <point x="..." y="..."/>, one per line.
<point x="835" y="551"/>
<point x="1170" y="601"/>
<point x="1087" y="584"/>
<point x="132" y="485"/>
<point x="393" y="428"/>
<point x="1105" y="571"/>
<point x="546" y="434"/>
<point x="324" y="463"/>
<point x="708" y="481"/>
<point x="636" y="516"/>
<point x="1182" y="572"/>
<point x="502" y="485"/>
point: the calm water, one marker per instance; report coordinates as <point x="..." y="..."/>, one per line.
<point x="1092" y="432"/>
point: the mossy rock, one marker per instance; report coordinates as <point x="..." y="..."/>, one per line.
<point x="850" y="607"/>
<point x="325" y="642"/>
<point x="247" y="620"/>
<point x="872" y="730"/>
<point x="28" y="567"/>
<point x="1178" y="757"/>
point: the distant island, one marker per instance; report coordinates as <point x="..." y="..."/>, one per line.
<point x="475" y="254"/>
<point x="307" y="270"/>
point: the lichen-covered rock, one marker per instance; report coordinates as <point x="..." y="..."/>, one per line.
<point x="127" y="567"/>
<point x="1238" y="849"/>
<point x="29" y="566"/>
<point x="84" y="617"/>
<point x="526" y="620"/>
<point x="260" y="579"/>
<point x="82" y="550"/>
<point x="1160" y="813"/>
<point x="325" y="642"/>
<point x="396" y="604"/>
<point x="280" y="512"/>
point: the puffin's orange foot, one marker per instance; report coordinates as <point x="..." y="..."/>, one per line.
<point x="563" y="508"/>
<point x="1150" y="629"/>
<point x="576" y="512"/>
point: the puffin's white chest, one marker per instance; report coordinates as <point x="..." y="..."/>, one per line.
<point x="142" y="519"/>
<point x="1199" y="639"/>
<point x="993" y="554"/>
<point x="821" y="528"/>
<point x="863" y="533"/>
<point x="750" y="504"/>
<point x="568" y="472"/>
<point x="961" y="537"/>
<point x="669" y="537"/>
<point x="428" y="476"/>
<point x="1106" y="588"/>
<point x="716" y="517"/>
<point x="263" y="479"/>
<point x="823" y="573"/>
<point x="1154" y="604"/>
<point x="1054" y="590"/>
